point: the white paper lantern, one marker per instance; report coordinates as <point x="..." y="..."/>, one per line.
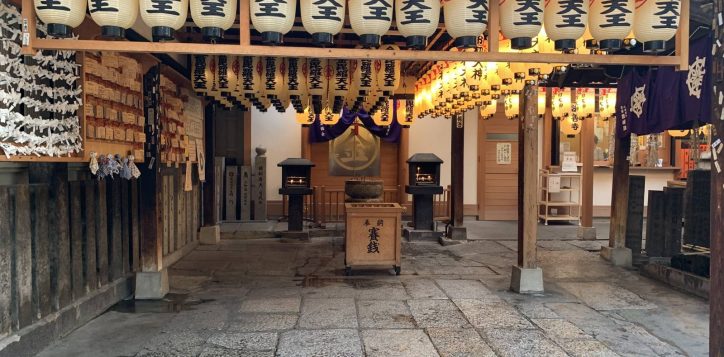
<point x="272" y="18"/>
<point x="391" y="69"/>
<point x="113" y="16"/>
<point x="318" y="86"/>
<point x="465" y="20"/>
<point x="340" y="83"/>
<point x="199" y="77"/>
<point x="213" y="17"/>
<point x="610" y="21"/>
<point x="521" y="21"/>
<point x="417" y="20"/>
<point x="164" y="17"/>
<point x="565" y="21"/>
<point x="655" y="22"/>
<point x="61" y="16"/>
<point x="323" y="19"/>
<point x="296" y="82"/>
<point x="370" y="19"/>
<point x="251" y="69"/>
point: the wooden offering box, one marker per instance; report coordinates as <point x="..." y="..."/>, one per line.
<point x="372" y="236"/>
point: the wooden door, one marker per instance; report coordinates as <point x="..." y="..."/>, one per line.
<point x="498" y="168"/>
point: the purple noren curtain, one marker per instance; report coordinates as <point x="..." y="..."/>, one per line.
<point x="320" y="133"/>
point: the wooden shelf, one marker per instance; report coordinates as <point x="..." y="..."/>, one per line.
<point x="559" y="204"/>
<point x="566" y="198"/>
<point x="558" y="218"/>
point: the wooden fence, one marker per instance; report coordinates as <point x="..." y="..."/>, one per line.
<point x="181" y="212"/>
<point x="326" y="204"/>
<point x="62" y="241"/>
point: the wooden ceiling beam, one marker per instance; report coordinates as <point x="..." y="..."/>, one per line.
<point x="350" y="53"/>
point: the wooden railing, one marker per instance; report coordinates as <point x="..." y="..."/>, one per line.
<point x="326" y="204"/>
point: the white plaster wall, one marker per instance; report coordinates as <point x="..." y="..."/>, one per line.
<point x="603" y="182"/>
<point x="282" y="137"/>
<point x="432" y="135"/>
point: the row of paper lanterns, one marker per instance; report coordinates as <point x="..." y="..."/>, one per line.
<point x="314" y="86"/>
<point x="450" y="88"/>
<point x="609" y="21"/>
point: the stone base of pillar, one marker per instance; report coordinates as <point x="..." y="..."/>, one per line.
<point x="620" y="257"/>
<point x="151" y="285"/>
<point x="294" y="236"/>
<point x="457" y="233"/>
<point x="587" y="233"/>
<point x="210" y="235"/>
<point x="419" y="235"/>
<point x="526" y="281"/>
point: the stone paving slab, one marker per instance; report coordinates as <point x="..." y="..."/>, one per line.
<point x="423" y="289"/>
<point x="587" y="348"/>
<point x="486" y="314"/>
<point x="321" y="343"/>
<point x="521" y="343"/>
<point x="398" y="343"/>
<point x="437" y="313"/>
<point x="215" y="351"/>
<point x="271" y="305"/>
<point x="452" y="342"/>
<point x="559" y="329"/>
<point x="390" y="314"/>
<point x="606" y="296"/>
<point x="328" y="313"/>
<point x="622" y="338"/>
<point x="465" y="289"/>
<point x="249" y="341"/>
<point x="262" y="322"/>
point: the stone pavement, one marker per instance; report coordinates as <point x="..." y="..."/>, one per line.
<point x="267" y="298"/>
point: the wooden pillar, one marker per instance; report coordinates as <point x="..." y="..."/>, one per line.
<point x="247" y="138"/>
<point x="619" y="193"/>
<point x="403" y="153"/>
<point x="586" y="230"/>
<point x="152" y="280"/>
<point x="526" y="276"/>
<point x="306" y="145"/>
<point x="616" y="252"/>
<point x="210" y="213"/>
<point x="548" y="130"/>
<point x="528" y="179"/>
<point x="457" y="164"/>
<point x="151" y="186"/>
<point x="716" y="294"/>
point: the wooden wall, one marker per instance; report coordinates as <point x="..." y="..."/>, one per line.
<point x="320" y="173"/>
<point x="497" y="184"/>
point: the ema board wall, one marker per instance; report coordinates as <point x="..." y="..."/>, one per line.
<point x="282" y="137"/>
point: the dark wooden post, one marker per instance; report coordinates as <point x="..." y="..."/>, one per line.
<point x="527" y="277"/>
<point x="616" y="252"/>
<point x="635" y="220"/>
<point x="716" y="294"/>
<point x="152" y="280"/>
<point x="403" y="153"/>
<point x="457" y="164"/>
<point x="210" y="233"/>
